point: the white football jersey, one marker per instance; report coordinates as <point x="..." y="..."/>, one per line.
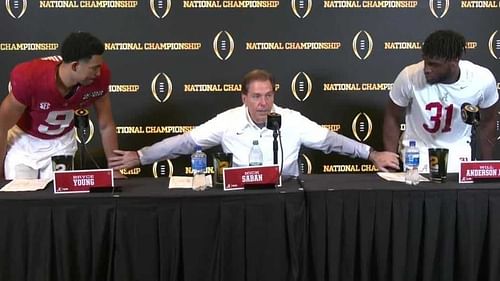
<point x="433" y="111"/>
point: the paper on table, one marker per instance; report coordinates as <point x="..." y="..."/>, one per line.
<point x="186" y="182"/>
<point x="26" y="185"/>
<point x="398" y="176"/>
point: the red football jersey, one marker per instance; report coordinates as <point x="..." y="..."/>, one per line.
<point x="48" y="114"/>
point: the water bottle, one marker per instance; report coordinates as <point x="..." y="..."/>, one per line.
<point x="198" y="162"/>
<point x="412" y="160"/>
<point x="255" y="157"/>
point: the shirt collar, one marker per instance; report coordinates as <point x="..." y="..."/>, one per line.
<point x="249" y="123"/>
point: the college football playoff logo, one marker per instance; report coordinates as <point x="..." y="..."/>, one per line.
<point x="163" y="169"/>
<point x="305" y="165"/>
<point x="494" y="45"/>
<point x="161" y="87"/>
<point x="362" y="45"/>
<point x="160" y="8"/>
<point x="223" y="45"/>
<point x="439" y="8"/>
<point x="362" y="126"/>
<point x="301" y="8"/>
<point x="16" y="8"/>
<point x="301" y="86"/>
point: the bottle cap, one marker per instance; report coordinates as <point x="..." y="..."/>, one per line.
<point x="255" y="142"/>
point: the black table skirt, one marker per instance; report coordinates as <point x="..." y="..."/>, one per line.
<point x="368" y="229"/>
<point x="339" y="227"/>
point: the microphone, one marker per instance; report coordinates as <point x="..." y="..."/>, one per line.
<point x="82" y="118"/>
<point x="273" y="121"/>
<point x="470" y="114"/>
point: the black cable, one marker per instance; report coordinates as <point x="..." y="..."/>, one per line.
<point x="84" y="150"/>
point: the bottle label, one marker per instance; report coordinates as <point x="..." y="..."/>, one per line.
<point x="198" y="164"/>
<point x="412" y="159"/>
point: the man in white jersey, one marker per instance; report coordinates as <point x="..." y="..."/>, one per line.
<point x="431" y="93"/>
<point x="236" y="128"/>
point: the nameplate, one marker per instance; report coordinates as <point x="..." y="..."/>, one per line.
<point x="253" y="176"/>
<point x="78" y="181"/>
<point x="473" y="171"/>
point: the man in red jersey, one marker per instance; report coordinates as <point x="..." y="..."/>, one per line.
<point x="36" y="117"/>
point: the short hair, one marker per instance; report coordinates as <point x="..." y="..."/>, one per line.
<point x="445" y="44"/>
<point x="80" y="45"/>
<point x="256" y="75"/>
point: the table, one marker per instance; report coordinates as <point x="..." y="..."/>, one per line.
<point x="364" y="228"/>
<point x="147" y="232"/>
<point x="337" y="227"/>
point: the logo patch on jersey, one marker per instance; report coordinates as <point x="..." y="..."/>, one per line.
<point x="92" y="95"/>
<point x="44" y="105"/>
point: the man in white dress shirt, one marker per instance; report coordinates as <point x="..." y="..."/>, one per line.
<point x="236" y="128"/>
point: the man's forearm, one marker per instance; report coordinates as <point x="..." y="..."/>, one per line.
<point x="487" y="131"/>
<point x="109" y="140"/>
<point x="168" y="148"/>
<point x="487" y="140"/>
<point x="391" y="135"/>
<point x="3" y="148"/>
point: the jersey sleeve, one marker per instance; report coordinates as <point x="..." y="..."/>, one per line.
<point x="400" y="93"/>
<point x="19" y="84"/>
<point x="490" y="94"/>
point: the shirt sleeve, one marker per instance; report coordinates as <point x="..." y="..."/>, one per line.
<point x="490" y="94"/>
<point x="168" y="148"/>
<point x="19" y="85"/>
<point x="316" y="137"/>
<point x="345" y="146"/>
<point x="210" y="133"/>
<point x="400" y="93"/>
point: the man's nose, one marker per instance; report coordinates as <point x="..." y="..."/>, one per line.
<point x="427" y="69"/>
<point x="262" y="100"/>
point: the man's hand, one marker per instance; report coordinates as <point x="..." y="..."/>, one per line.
<point x="384" y="160"/>
<point x="124" y="160"/>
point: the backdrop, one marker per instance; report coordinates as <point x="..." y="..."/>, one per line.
<point x="175" y="64"/>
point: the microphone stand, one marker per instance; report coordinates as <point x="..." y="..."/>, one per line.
<point x="473" y="141"/>
<point x="274" y="123"/>
<point x="82" y="124"/>
<point x="82" y="148"/>
<point x="275" y="145"/>
<point x="470" y="115"/>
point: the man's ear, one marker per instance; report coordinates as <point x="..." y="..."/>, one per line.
<point x="74" y="65"/>
<point x="243" y="98"/>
